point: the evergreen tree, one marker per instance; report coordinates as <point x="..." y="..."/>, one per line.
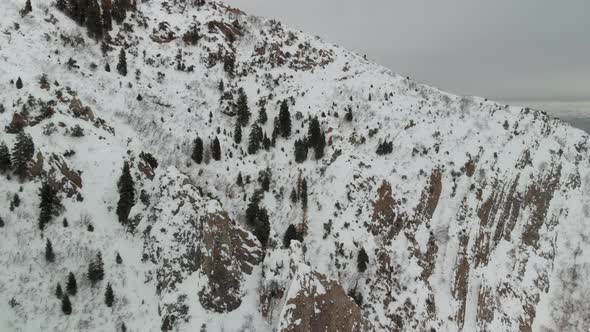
<point x="262" y="117"/>
<point x="385" y="147"/>
<point x="118" y="259"/>
<point x="58" y="291"/>
<point x="276" y="130"/>
<point x="96" y="270"/>
<point x="80" y="15"/>
<point x="316" y="138"/>
<point x="109" y="296"/>
<point x="291" y="234"/>
<point x="107" y="16"/>
<point x="19" y="83"/>
<point x="348" y="115"/>
<point x="229" y="64"/>
<point x="216" y="149"/>
<point x="266" y="142"/>
<point x="119" y="11"/>
<point x="242" y="109"/>
<point x="5" y="162"/>
<point x="285" y="120"/>
<point x="28" y="8"/>
<point x="255" y="139"/>
<point x="362" y="260"/>
<point x="66" y="305"/>
<point x="293" y="196"/>
<point x="240" y="180"/>
<point x="300" y="151"/>
<point x="1" y="222"/>
<point x="49" y="254"/>
<point x="93" y="20"/>
<point x="304" y="194"/>
<point x="126" y="188"/>
<point x="22" y="152"/>
<point x="238" y="133"/>
<point x="122" y="65"/>
<point x="197" y="154"/>
<point x="61" y="5"/>
<point x="265" y="180"/>
<point x="252" y="212"/>
<point x="73" y="9"/>
<point x="262" y="228"/>
<point x="49" y="205"/>
<point x="72" y="285"/>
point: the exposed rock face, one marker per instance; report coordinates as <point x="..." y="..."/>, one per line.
<point x="315" y="303"/>
<point x="226" y="252"/>
<point x="186" y="236"/>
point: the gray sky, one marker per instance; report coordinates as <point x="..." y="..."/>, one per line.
<point x="534" y="52"/>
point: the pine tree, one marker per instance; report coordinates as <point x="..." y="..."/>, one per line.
<point x="266" y="143"/>
<point x="1" y="222"/>
<point x="293" y="196"/>
<point x="72" y="285"/>
<point x="96" y="270"/>
<point x="362" y="260"/>
<point x="118" y="259"/>
<point x="254" y="139"/>
<point x="316" y="138"/>
<point x="107" y="16"/>
<point x="109" y="296"/>
<point x="197" y="154"/>
<point x="122" y="65"/>
<point x="290" y="235"/>
<point x="262" y="117"/>
<point x="252" y="212"/>
<point x="22" y="152"/>
<point x="119" y="11"/>
<point x="262" y="228"/>
<point x="238" y="133"/>
<point x="19" y="83"/>
<point x="229" y="64"/>
<point x="66" y="305"/>
<point x="285" y="120"/>
<point x="5" y="162"/>
<point x="49" y="205"/>
<point x="348" y="115"/>
<point x="242" y="109"/>
<point x="93" y="20"/>
<point x="304" y="194"/>
<point x="80" y="15"/>
<point x="240" y="180"/>
<point x="300" y="151"/>
<point x="49" y="254"/>
<point x="216" y="149"/>
<point x="28" y="8"/>
<point x="61" y="5"/>
<point x="126" y="188"/>
<point x="58" y="291"/>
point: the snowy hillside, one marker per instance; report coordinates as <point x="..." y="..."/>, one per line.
<point x="405" y="208"/>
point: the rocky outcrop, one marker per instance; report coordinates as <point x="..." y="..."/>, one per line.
<point x="315" y="303"/>
<point x="226" y="253"/>
<point x="187" y="235"/>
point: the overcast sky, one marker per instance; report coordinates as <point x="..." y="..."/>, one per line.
<point x="519" y="51"/>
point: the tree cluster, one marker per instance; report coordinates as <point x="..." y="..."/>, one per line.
<point x="385" y="148"/>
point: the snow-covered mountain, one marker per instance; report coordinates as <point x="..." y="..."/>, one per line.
<point x="473" y="215"/>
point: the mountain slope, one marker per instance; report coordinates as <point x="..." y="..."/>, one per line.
<point x="477" y="219"/>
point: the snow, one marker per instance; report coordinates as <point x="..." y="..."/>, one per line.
<point x="461" y="128"/>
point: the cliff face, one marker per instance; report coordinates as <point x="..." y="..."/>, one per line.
<point x="473" y="215"/>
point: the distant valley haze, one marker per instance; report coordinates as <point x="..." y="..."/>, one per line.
<point x="527" y="53"/>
